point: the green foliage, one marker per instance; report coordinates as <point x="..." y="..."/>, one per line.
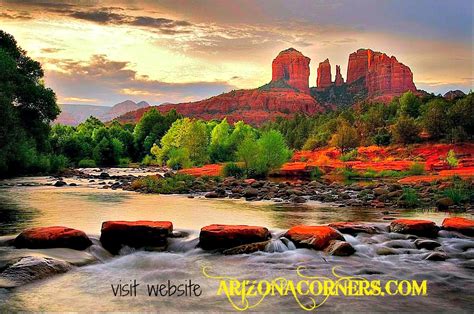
<point x="460" y="192"/>
<point x="410" y="197"/>
<point x="87" y="163"/>
<point x="416" y="169"/>
<point x="177" y="184"/>
<point x="451" y="159"/>
<point x="409" y="105"/>
<point x="231" y="169"/>
<point x="434" y="118"/>
<point x="406" y="130"/>
<point x="178" y="158"/>
<point x="316" y="173"/>
<point x="351" y="155"/>
<point x="345" y="138"/>
<point x="260" y="157"/>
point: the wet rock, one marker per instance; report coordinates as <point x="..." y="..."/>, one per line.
<point x="247" y="248"/>
<point x="136" y="234"/>
<point x="426" y="244"/>
<point x="339" y="248"/>
<point x="315" y="237"/>
<point x="250" y="192"/>
<point x="424" y="228"/>
<point x="399" y="244"/>
<point x="229" y="236"/>
<point x="72" y="184"/>
<point x="353" y="228"/>
<point x="212" y="194"/>
<point x="31" y="268"/>
<point x="436" y="256"/>
<point x="380" y="191"/>
<point x="59" y="183"/>
<point x="52" y="237"/>
<point x="298" y="199"/>
<point x="385" y="251"/>
<point x="104" y="175"/>
<point x="444" y="203"/>
<point x="459" y="224"/>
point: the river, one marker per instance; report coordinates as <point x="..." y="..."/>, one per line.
<point x="27" y="202"/>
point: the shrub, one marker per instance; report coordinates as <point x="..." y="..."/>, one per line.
<point x="87" y="163"/>
<point x="58" y="163"/>
<point x="315" y="173"/>
<point x="149" y="161"/>
<point x="178" y="158"/>
<point x="349" y="173"/>
<point x="231" y="169"/>
<point x="451" y="159"/>
<point x="177" y="184"/>
<point x="351" y="155"/>
<point x="459" y="192"/>
<point x="417" y="169"/>
<point x="405" y="130"/>
<point x="410" y="197"/>
<point x="124" y="162"/>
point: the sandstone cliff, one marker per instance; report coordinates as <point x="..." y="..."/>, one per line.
<point x="324" y="74"/>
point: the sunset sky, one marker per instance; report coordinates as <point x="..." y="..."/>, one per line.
<point x="103" y="52"/>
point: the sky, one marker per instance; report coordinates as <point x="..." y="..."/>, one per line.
<point x="104" y="52"/>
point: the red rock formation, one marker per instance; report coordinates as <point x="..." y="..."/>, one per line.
<point x="254" y="106"/>
<point x="383" y="75"/>
<point x="293" y="67"/>
<point x="52" y="237"/>
<point x="315" y="237"/>
<point x="338" y="81"/>
<point x="324" y="74"/>
<point x="227" y="236"/>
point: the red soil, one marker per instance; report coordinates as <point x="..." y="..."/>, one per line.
<point x="206" y="170"/>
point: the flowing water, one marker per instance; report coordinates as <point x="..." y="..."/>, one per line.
<point x="88" y="288"/>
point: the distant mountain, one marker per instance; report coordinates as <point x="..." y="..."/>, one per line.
<point x="74" y="114"/>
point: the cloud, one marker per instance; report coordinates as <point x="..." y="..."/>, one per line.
<point x="109" y="82"/>
<point x="15" y="16"/>
<point x="51" y="50"/>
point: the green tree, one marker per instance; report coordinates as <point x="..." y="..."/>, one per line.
<point x="345" y="138"/>
<point x="406" y="130"/>
<point x="434" y="119"/>
<point x="409" y="105"/>
<point x="26" y="109"/>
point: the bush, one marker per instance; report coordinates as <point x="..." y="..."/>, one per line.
<point x="316" y="173"/>
<point x="177" y="184"/>
<point x="87" y="163"/>
<point x="410" y="197"/>
<point x="416" y="169"/>
<point x="124" y="162"/>
<point x="451" y="159"/>
<point x="178" y="158"/>
<point x="405" y="130"/>
<point x="58" y="163"/>
<point x="231" y="169"/>
<point x="459" y="192"/>
<point x="352" y="155"/>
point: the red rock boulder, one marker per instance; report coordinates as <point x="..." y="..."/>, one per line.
<point x="338" y="81"/>
<point x="424" y="228"/>
<point x="353" y="228"/>
<point x="459" y="224"/>
<point x="324" y="75"/>
<point x="292" y="67"/>
<point x="314" y="237"/>
<point x="215" y="237"/>
<point x="52" y="237"/>
<point x="136" y="234"/>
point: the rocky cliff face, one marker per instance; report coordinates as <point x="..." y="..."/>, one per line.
<point x="383" y="75"/>
<point x="338" y="81"/>
<point x="292" y="67"/>
<point x="324" y="75"/>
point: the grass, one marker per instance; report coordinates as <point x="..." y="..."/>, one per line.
<point x="315" y="173"/>
<point x="352" y="155"/>
<point x="416" y="169"/>
<point x="460" y="192"/>
<point x="410" y="197"/>
<point x="372" y="174"/>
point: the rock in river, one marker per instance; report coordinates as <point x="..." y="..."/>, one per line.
<point x="52" y="237"/>
<point x="229" y="236"/>
<point x="315" y="237"/>
<point x="353" y="228"/>
<point x="423" y="228"/>
<point x="135" y="234"/>
<point x="339" y="248"/>
<point x="459" y="224"/>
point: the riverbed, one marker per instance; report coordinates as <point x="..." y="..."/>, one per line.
<point x="28" y="202"/>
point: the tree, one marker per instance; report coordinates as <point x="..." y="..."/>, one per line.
<point x="461" y="117"/>
<point x="434" y="118"/>
<point x="409" y="105"/>
<point x="108" y="152"/>
<point x="26" y="109"/>
<point x="405" y="130"/>
<point x="345" y="138"/>
<point x="219" y="147"/>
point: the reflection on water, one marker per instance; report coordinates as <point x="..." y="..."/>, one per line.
<point x="86" y="208"/>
